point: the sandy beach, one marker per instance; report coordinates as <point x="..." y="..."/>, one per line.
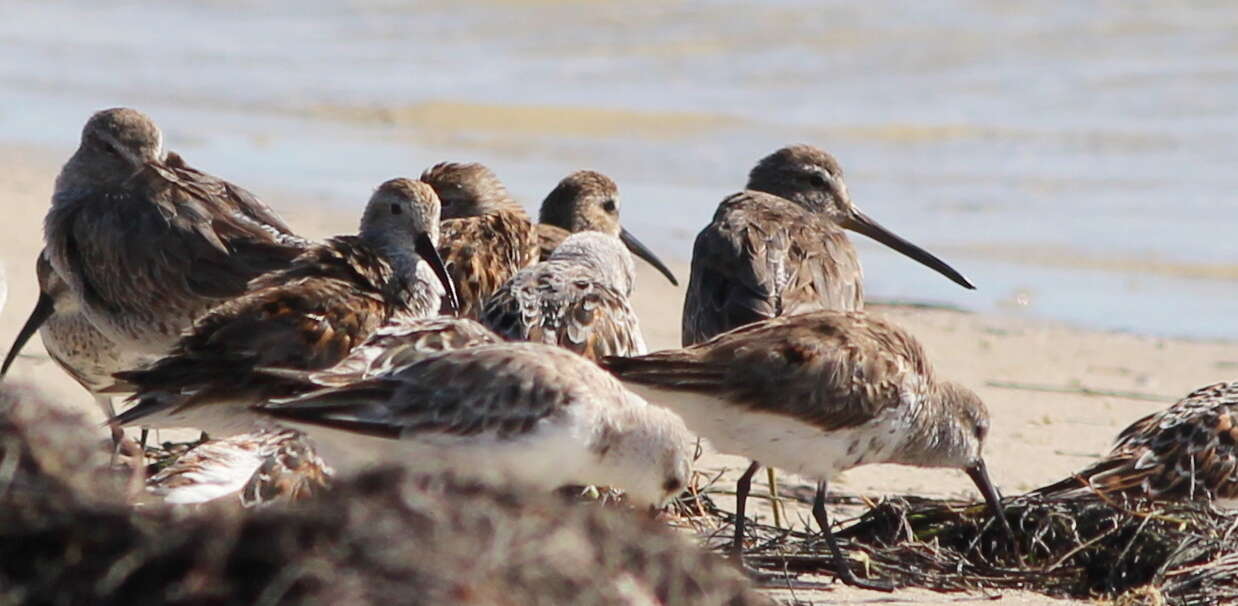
<point x="1037" y="435"/>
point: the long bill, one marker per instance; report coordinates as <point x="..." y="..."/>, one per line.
<point x="43" y="310"/>
<point x="980" y="475"/>
<point x="643" y="252"/>
<point x="426" y="249"/>
<point x="861" y="223"/>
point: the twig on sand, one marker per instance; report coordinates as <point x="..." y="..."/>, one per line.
<point x="1082" y="390"/>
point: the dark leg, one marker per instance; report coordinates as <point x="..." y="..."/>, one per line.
<point x="741" y="501"/>
<point x="841" y="568"/>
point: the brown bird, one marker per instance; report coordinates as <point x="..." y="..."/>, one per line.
<point x="72" y="341"/>
<point x="1188" y="452"/>
<point x="778" y="248"/>
<point x="306" y="317"/>
<point x="146" y="243"/>
<point x="587" y="200"/>
<point x="818" y="394"/>
<point x="578" y="300"/>
<point x="487" y="236"/>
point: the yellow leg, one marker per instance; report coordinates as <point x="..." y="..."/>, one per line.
<point x="774" y="499"/>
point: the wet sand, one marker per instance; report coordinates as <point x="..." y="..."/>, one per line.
<point x="1037" y="436"/>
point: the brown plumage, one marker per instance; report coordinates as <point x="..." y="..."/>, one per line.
<point x="587" y="200"/>
<point x="578" y="300"/>
<point x="778" y="247"/>
<point x="1186" y="452"/>
<point x="147" y="243"/>
<point x="306" y="317"/>
<point x="817" y="394"/>
<point x="487" y="236"/>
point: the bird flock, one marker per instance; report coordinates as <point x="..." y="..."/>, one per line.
<point x="453" y="333"/>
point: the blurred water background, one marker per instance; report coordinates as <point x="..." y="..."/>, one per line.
<point x="1075" y="159"/>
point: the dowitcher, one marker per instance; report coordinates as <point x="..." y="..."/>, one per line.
<point x="308" y="316"/>
<point x="818" y="394"/>
<point x="1188" y="452"/>
<point x="578" y="300"/>
<point x="533" y="414"/>
<point x="778" y="248"/>
<point x="147" y="243"/>
<point x="72" y="341"/>
<point x="487" y="236"/>
<point x="587" y="200"/>
<point x="257" y="469"/>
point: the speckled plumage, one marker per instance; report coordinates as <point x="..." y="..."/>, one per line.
<point x="587" y="200"/>
<point x="1188" y="452"/>
<point x="778" y="248"/>
<point x="486" y="236"/>
<point x="578" y="300"/>
<point x="306" y="317"/>
<point x="147" y="243"/>
<point x="256" y="469"/>
<point x="527" y="412"/>
<point x="71" y="340"/>
<point x="817" y="394"/>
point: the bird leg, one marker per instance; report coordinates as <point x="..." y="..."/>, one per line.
<point x="774" y="499"/>
<point x="842" y="569"/>
<point x="741" y="501"/>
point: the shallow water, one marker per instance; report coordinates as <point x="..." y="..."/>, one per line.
<point x="1076" y="161"/>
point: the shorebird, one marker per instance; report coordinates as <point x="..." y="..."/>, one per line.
<point x="257" y="469"/>
<point x="578" y="300"/>
<point x="818" y="394"/>
<point x="1188" y="452"/>
<point x="308" y="316"/>
<point x="778" y="248"/>
<point x="393" y="346"/>
<point x="147" y="243"/>
<point x="487" y="236"/>
<point x="524" y="412"/>
<point x="587" y="200"/>
<point x="72" y="341"/>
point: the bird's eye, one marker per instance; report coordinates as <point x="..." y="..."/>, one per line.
<point x="672" y="485"/>
<point x="396" y="209"/>
<point x="817" y="181"/>
<point x="609" y="205"/>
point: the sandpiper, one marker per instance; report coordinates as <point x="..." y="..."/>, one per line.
<point x="587" y="200"/>
<point x="529" y="413"/>
<point x="393" y="346"/>
<point x="578" y="300"/>
<point x="306" y="317"/>
<point x="817" y="394"/>
<point x="778" y="248"/>
<point x="487" y="236"/>
<point x="257" y="469"/>
<point x="1188" y="452"/>
<point x="147" y="243"/>
<point x="72" y="341"/>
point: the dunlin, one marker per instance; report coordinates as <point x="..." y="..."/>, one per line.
<point x="778" y="248"/>
<point x="587" y="200"/>
<point x="257" y="469"/>
<point x="147" y="243"/>
<point x="529" y="413"/>
<point x="817" y="394"/>
<point x="306" y="317"/>
<point x="393" y="346"/>
<point x="1188" y="452"/>
<point x="487" y="236"/>
<point x="71" y="340"/>
<point x="578" y="300"/>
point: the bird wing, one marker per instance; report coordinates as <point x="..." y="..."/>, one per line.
<point x="481" y="253"/>
<point x="763" y="257"/>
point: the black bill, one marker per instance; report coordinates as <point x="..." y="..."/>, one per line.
<point x="641" y="251"/>
<point x="980" y="476"/>
<point x="42" y="311"/>
<point x="425" y="247"/>
<point x="863" y="224"/>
